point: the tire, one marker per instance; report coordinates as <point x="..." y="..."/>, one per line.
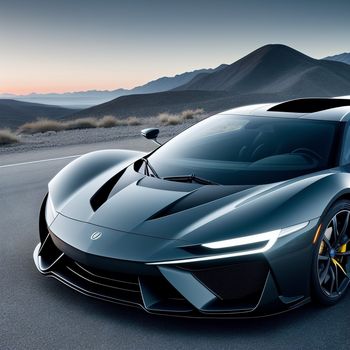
<point x="329" y="281"/>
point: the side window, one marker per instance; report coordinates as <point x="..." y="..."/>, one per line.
<point x="345" y="155"/>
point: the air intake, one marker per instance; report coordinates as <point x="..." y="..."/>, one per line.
<point x="309" y="105"/>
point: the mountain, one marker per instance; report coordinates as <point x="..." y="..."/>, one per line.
<point x="270" y="73"/>
<point x="144" y="105"/>
<point x="343" y="57"/>
<point x="84" y="99"/>
<point x="166" y="83"/>
<point x="277" y="69"/>
<point x="14" y="113"/>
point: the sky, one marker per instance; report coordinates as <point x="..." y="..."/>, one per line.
<point x="75" y="45"/>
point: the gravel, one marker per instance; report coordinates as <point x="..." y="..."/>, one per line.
<point x="88" y="136"/>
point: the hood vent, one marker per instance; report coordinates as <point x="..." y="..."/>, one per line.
<point x="198" y="197"/>
<point x="113" y="186"/>
<point x="103" y="192"/>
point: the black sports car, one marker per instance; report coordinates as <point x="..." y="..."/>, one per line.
<point x="244" y="214"/>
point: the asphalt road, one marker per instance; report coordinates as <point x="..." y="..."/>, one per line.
<point x="41" y="313"/>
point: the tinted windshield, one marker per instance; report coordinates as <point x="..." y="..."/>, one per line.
<point x="235" y="150"/>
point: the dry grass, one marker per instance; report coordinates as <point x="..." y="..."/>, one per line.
<point x="170" y="119"/>
<point x="80" y="123"/>
<point x="133" y="121"/>
<point x="41" y="125"/>
<point x="108" y="121"/>
<point x="175" y="119"/>
<point x="8" y="137"/>
<point x="191" y="113"/>
<point x="44" y="125"/>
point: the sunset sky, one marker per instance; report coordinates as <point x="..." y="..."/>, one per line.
<point x="72" y="45"/>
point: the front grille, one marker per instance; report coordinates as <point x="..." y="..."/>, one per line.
<point x="113" y="279"/>
<point x="103" y="284"/>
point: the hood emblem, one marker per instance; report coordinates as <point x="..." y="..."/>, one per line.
<point x="96" y="235"/>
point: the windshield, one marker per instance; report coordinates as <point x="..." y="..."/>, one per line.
<point x="242" y="150"/>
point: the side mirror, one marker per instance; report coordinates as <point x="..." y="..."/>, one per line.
<point x="151" y="134"/>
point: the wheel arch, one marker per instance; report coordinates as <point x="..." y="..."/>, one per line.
<point x="344" y="194"/>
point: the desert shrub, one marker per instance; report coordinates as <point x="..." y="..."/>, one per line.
<point x="170" y="119"/>
<point x="80" y="123"/>
<point x="41" y="125"/>
<point x="108" y="121"/>
<point x="174" y="119"/>
<point x="8" y="137"/>
<point x="191" y="113"/>
<point x="133" y="121"/>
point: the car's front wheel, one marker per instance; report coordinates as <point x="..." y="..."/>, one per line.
<point x="331" y="263"/>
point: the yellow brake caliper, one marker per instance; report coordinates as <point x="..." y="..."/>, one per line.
<point x="343" y="248"/>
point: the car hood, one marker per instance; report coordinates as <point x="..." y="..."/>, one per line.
<point x="190" y="212"/>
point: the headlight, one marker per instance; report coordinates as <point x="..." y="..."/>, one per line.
<point x="50" y="211"/>
<point x="269" y="237"/>
<point x="241" y="246"/>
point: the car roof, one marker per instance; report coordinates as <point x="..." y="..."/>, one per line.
<point x="332" y="109"/>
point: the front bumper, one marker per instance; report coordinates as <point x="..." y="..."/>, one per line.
<point x="243" y="287"/>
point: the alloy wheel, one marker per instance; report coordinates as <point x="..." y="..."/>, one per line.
<point x="333" y="261"/>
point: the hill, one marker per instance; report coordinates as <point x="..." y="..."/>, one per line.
<point x="144" y="105"/>
<point x="14" y="113"/>
<point x="343" y="57"/>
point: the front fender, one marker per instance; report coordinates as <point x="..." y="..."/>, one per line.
<point x="313" y="200"/>
<point x="260" y="209"/>
<point x="84" y="169"/>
